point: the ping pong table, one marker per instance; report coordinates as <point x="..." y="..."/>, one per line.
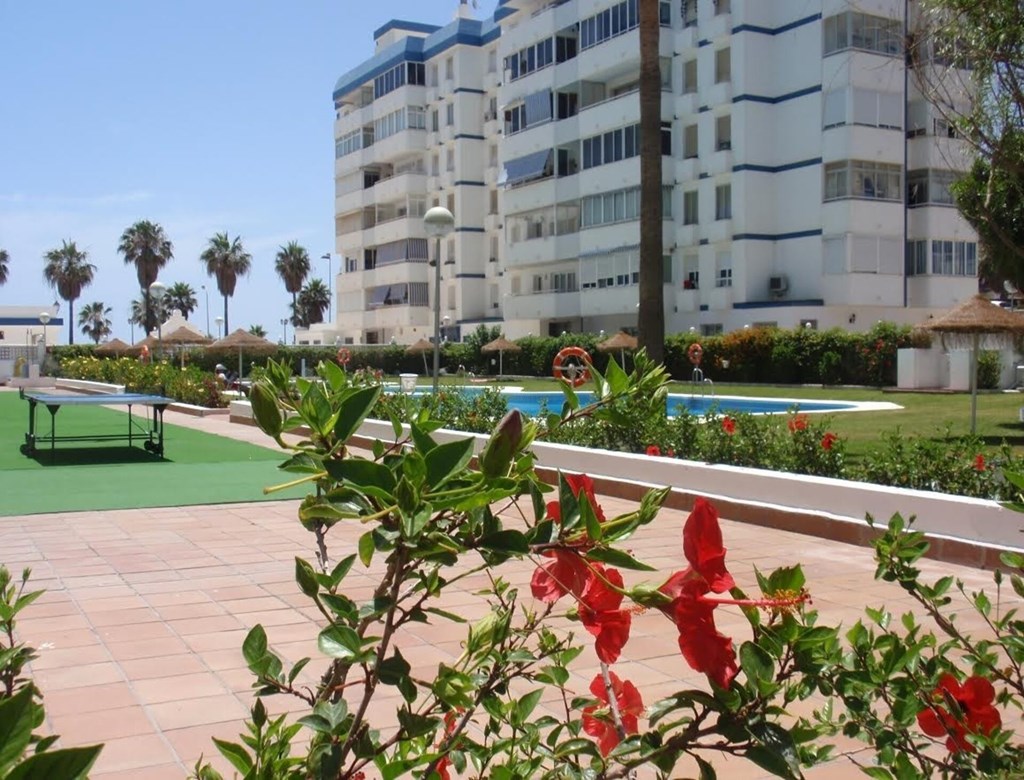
<point x="151" y="434"/>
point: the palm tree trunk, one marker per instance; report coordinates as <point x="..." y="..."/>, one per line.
<point x="226" y="315"/>
<point x="147" y="313"/>
<point x="71" y="320"/>
<point x="651" y="316"/>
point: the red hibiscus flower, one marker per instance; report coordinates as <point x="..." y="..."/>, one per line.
<point x="828" y="440"/>
<point x="729" y="425"/>
<point x="798" y="423"/>
<point x="600" y="613"/>
<point x="979" y="463"/>
<point x="977" y="713"/>
<point x="702" y="546"/>
<point x="567" y="572"/>
<point x="598" y="721"/>
<point x="578" y="483"/>
<point x="654" y="450"/>
<point x="670" y="453"/>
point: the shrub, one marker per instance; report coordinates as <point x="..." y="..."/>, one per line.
<point x="990" y="369"/>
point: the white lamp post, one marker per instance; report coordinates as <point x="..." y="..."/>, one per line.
<point x="438" y="222"/>
<point x="330" y="282"/>
<point x="156" y="292"/>
<point x="44" y="317"/>
<point x="284" y="324"/>
<point x="220" y="321"/>
<point x="207" y="293"/>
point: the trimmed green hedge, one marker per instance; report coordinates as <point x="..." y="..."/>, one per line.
<point x="757" y="355"/>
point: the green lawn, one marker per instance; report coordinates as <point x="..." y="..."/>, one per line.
<point x="923" y="414"/>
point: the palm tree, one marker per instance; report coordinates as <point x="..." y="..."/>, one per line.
<point x="314" y="299"/>
<point x="292" y="265"/>
<point x="138" y="311"/>
<point x="651" y="316"/>
<point x="4" y="263"/>
<point x="68" y="271"/>
<point x="181" y="296"/>
<point x="258" y="330"/>
<point x="226" y="260"/>
<point x="146" y="246"/>
<point x="94" y="321"/>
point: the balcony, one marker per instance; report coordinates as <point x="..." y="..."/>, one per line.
<point x="543" y="305"/>
<point x="609" y="301"/>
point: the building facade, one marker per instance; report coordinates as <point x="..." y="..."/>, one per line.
<point x="806" y="179"/>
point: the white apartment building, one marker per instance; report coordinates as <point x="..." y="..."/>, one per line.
<point x="793" y="194"/>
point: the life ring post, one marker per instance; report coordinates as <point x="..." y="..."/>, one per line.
<point x="572" y="365"/>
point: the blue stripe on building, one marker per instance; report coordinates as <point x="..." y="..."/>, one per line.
<point x="31" y="321"/>
<point x="457" y="90"/>
<point x="464" y="183"/>
<point x="469" y="137"/>
<point x="780" y="99"/>
<point x="470" y="276"/>
<point x="469" y="230"/>
<point x="753" y="28"/>
<point x="776" y="236"/>
<point x="776" y="168"/>
<point x="778" y="304"/>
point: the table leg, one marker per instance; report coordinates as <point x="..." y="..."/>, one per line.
<point x="129" y="425"/>
<point x="54" y="408"/>
<point x="158" y="419"/>
<point x="30" y="437"/>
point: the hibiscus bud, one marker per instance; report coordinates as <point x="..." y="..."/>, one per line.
<point x="487" y="632"/>
<point x="499" y="451"/>
<point x="648" y="596"/>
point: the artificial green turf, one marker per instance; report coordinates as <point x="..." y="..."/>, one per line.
<point x="199" y="468"/>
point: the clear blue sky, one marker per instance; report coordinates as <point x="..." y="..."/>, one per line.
<point x="202" y="115"/>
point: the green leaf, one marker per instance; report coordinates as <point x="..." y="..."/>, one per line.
<point x="366" y="548"/>
<point x="617" y="557"/>
<point x="446" y="460"/>
<point x="756" y="663"/>
<point x="707" y="772"/>
<point x="509" y="541"/>
<point x="770" y="761"/>
<point x="265" y="411"/>
<point x="362" y="473"/>
<point x="255" y="645"/>
<point x="306" y="577"/>
<point x="68" y="764"/>
<point x="590" y="520"/>
<point x="16" y="721"/>
<point x="526" y="705"/>
<point x="234" y="753"/>
<point x="392" y="670"/>
<point x="303" y="463"/>
<point x="354" y="409"/>
<point x="415" y="725"/>
<point x="618" y="380"/>
<point x="340" y="642"/>
<point x="424" y="443"/>
<point x="877" y="772"/>
<point x="342" y="569"/>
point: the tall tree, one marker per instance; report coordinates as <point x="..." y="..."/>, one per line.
<point x="68" y="271"/>
<point x="313" y="301"/>
<point x="146" y="246"/>
<point x="968" y="60"/>
<point x="4" y="266"/>
<point x="226" y="260"/>
<point x="94" y="321"/>
<point x="181" y="296"/>
<point x="292" y="265"/>
<point x="258" y="330"/>
<point x="651" y="314"/>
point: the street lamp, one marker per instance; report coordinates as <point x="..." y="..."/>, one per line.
<point x="207" y="293"/>
<point x="220" y="321"/>
<point x="284" y="324"/>
<point x="44" y="317"/>
<point x="330" y="282"/>
<point x="438" y="223"/>
<point x="156" y="292"/>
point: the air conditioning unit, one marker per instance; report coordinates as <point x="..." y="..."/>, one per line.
<point x="778" y="285"/>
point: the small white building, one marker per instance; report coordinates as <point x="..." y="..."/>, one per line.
<point x="22" y="335"/>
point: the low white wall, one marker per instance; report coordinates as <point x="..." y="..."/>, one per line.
<point x="938" y="514"/>
<point x="86" y="386"/>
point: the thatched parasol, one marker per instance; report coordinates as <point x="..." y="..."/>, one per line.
<point x="620" y="341"/>
<point x="243" y="341"/>
<point x="185" y="337"/>
<point x="112" y="347"/>
<point x="501" y="345"/>
<point x="423" y="347"/>
<point x="969" y="324"/>
<point x="136" y="349"/>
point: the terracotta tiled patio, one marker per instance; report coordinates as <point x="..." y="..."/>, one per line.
<point x="145" y="611"/>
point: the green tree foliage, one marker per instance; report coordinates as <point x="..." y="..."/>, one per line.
<point x="313" y="301"/>
<point x="292" y="264"/>
<point x="226" y="260"/>
<point x="258" y="330"/>
<point x="68" y="271"/>
<point x="4" y="266"/>
<point x="146" y="246"/>
<point x="94" y="321"/>
<point x="182" y="296"/>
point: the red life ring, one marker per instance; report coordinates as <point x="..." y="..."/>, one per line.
<point x="695" y="353"/>
<point x="575" y="373"/>
<point x="344" y="356"/>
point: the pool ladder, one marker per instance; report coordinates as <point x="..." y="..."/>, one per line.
<point x="699" y="382"/>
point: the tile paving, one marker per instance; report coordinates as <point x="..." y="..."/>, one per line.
<point x="145" y="610"/>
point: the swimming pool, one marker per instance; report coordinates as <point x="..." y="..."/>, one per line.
<point x="531" y="402"/>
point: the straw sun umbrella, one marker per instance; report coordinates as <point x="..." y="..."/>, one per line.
<point x="423" y="347"/>
<point x="113" y="347"/>
<point x="969" y="325"/>
<point x="136" y="349"/>
<point x="243" y="341"/>
<point x="184" y="337"/>
<point x="620" y="341"/>
<point x="501" y="345"/>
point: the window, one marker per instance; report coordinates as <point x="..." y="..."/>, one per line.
<point x="613" y="146"/>
<point x="351" y="264"/>
<point x="611" y="22"/>
<point x="451" y="202"/>
<point x="690" y="203"/>
<point x="410" y="294"/>
<point x="712" y="329"/>
<point x="449" y="160"/>
<point x="433" y="75"/>
<point x="492" y="61"/>
<point x="618" y="206"/>
<point x="929" y="186"/>
<point x="565" y="48"/>
<point x="834" y="108"/>
<point x="723" y="65"/>
<point x="689" y="77"/>
<point x="691" y="271"/>
<point x="398" y="76"/>
<point x="689" y="13"/>
<point x="435" y="165"/>
<point x="494" y="249"/>
<point x="348" y="143"/>
<point x="515" y="119"/>
<point x="723" y="201"/>
<point x="493" y="202"/>
<point x="450" y="114"/>
<point x="666" y="139"/>
<point x="689" y="142"/>
<point x="722" y="7"/>
<point x="615" y="269"/>
<point x="449" y="68"/>
<point x="666" y="269"/>
<point x="942" y="258"/>
<point x="917" y="258"/>
<point x="492" y="110"/>
<point x="492" y="155"/>
<point x="723" y="132"/>
<point x="851" y="30"/>
<point x="862" y="179"/>
<point x="434" y="124"/>
<point x="723" y="269"/>
<point x="534" y="57"/>
<point x="965" y="258"/>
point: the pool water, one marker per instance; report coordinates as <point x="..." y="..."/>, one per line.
<point x="531" y="403"/>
